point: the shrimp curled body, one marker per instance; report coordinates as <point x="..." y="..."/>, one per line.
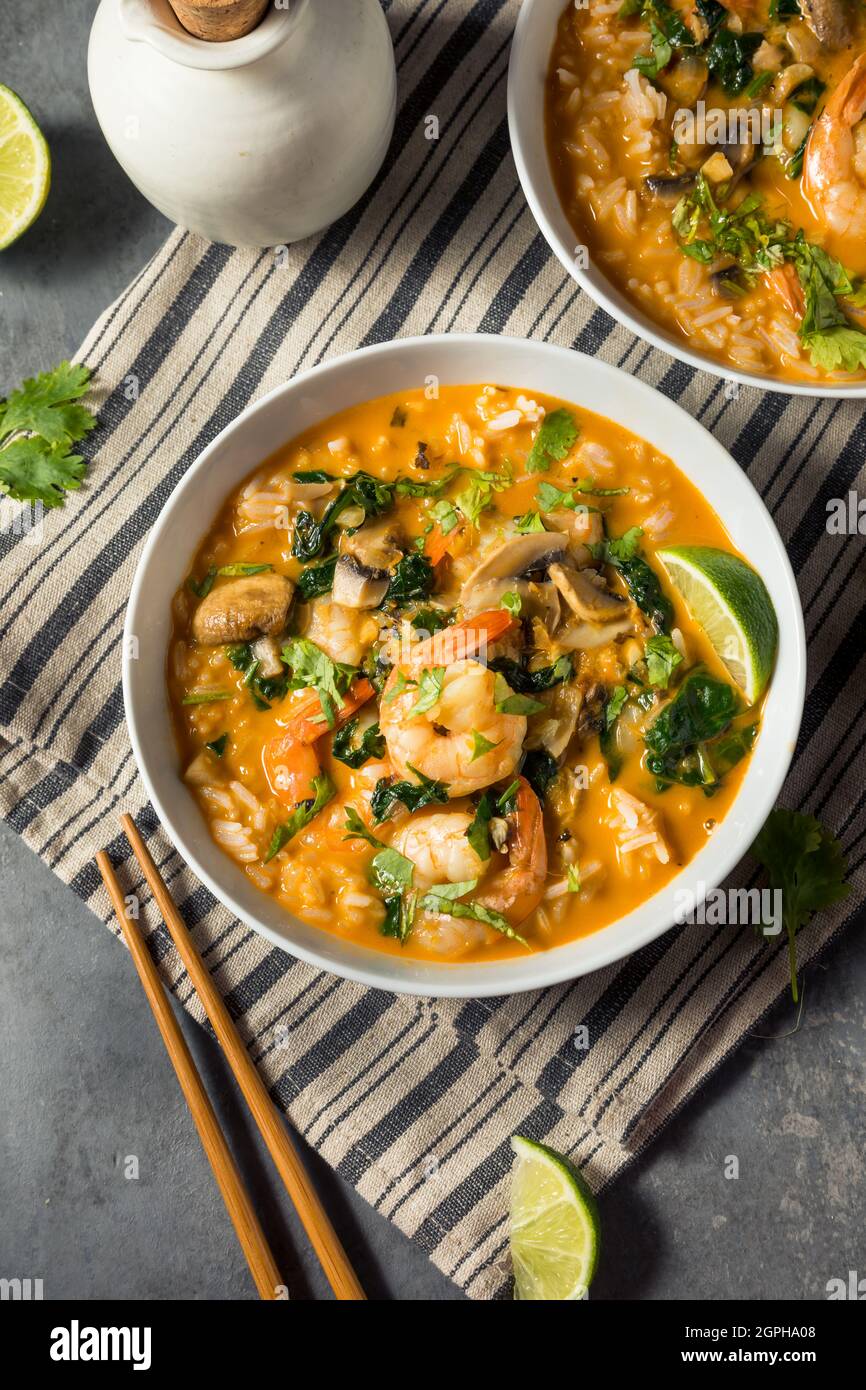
<point x="833" y="179"/>
<point x="441" y="742"/>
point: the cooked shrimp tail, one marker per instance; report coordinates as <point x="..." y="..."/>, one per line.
<point x="463" y="640"/>
<point x="518" y="888"/>
<point x="307" y="725"/>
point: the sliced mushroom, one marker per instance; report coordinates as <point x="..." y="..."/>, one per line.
<point x="554" y="730"/>
<point x="357" y="585"/>
<point x="537" y="600"/>
<point x="362" y="575"/>
<point x="586" y="595"/>
<point x="830" y="22"/>
<point x="266" y="651"/>
<point x="243" y="609"/>
<point x="519" y="555"/>
<point x="669" y="188"/>
<point x="587" y="637"/>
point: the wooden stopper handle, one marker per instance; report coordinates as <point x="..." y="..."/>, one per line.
<point x="219" y="20"/>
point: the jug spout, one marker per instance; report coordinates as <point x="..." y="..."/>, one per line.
<point x="177" y="30"/>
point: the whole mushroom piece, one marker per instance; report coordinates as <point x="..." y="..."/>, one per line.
<point x="244" y="609"/>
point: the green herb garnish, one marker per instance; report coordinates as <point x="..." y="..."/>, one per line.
<point x="554" y="441"/>
<point x="39" y="422"/>
<point x="303" y="813"/>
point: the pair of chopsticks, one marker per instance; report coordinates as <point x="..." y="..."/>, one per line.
<point x="314" y="1218"/>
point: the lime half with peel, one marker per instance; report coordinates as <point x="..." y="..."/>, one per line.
<point x="730" y="602"/>
<point x="554" y="1226"/>
<point x="25" y="168"/>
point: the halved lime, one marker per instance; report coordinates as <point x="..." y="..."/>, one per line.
<point x="25" y="168"/>
<point x="554" y="1226"/>
<point x="730" y="602"/>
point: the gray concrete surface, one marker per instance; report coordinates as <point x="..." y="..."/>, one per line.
<point x="85" y="1082"/>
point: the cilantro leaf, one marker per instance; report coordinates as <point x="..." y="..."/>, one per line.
<point x="43" y="405"/>
<point x="607" y="738"/>
<point x="429" y="691"/>
<point x="357" y="829"/>
<point x="835" y="349"/>
<point x="662" y="659"/>
<point x="31" y="471"/>
<point x="303" y="813"/>
<point x="479" y="492"/>
<point x="554" y="440"/>
<point x="530" y="521"/>
<point x="313" y="669"/>
<point x="372" y="744"/>
<point x="512" y="603"/>
<point x="807" y="863"/>
<point x="481" y="745"/>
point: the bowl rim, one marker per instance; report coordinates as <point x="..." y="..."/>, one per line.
<point x="536" y="180"/>
<point x="551" y="967"/>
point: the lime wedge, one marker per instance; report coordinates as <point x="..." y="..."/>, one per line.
<point x="25" y="168"/>
<point x="730" y="602"/>
<point x="554" y="1226"/>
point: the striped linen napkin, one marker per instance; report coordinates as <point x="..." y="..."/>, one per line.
<point x="412" y="1100"/>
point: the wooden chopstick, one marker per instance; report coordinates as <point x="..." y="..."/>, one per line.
<point x="315" y="1220"/>
<point x="263" y="1266"/>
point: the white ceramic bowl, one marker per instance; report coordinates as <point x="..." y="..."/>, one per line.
<point x="527" y="70"/>
<point x="376" y="371"/>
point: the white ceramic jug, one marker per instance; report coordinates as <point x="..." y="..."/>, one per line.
<point x="261" y="140"/>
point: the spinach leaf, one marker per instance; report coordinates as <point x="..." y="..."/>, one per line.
<point x="317" y="579"/>
<point x="413" y="578"/>
<point x="414" y="795"/>
<point x="681" y="738"/>
<point x="372" y="744"/>
<point x="432" y="620"/>
<point x="359" y="490"/>
<point x="531" y="682"/>
<point x="263" y="689"/>
<point x="607" y="737"/>
<point x="507" y="702"/>
<point x="729" y="59"/>
<point x="539" y="769"/>
<point x="218" y="746"/>
<point x="441" y="898"/>
<point x="644" y="587"/>
<point x="478" y="833"/>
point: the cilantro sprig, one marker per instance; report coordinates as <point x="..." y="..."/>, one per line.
<point x="39" y="423"/>
<point x="807" y="864"/>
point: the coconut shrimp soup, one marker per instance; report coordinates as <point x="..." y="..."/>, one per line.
<point x="433" y="688"/>
<point x="712" y="159"/>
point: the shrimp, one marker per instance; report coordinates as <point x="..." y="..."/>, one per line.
<point x="833" y="180"/>
<point x="290" y="767"/>
<point x="439" y="849"/>
<point x="517" y="890"/>
<point x="442" y="741"/>
<point x="344" y="634"/>
<point x="785" y="283"/>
